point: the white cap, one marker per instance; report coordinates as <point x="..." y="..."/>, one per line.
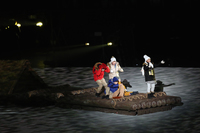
<point x="146" y="57"/>
<point x="113" y="59"/>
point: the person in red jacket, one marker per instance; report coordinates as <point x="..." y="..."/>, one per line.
<point x="98" y="71"/>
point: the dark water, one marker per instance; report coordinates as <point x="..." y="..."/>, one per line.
<point x="184" y="118"/>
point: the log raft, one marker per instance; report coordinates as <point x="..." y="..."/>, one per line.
<point x="138" y="103"/>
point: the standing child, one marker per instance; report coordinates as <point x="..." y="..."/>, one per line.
<point x="148" y="72"/>
<point x="98" y="71"/>
<point x="114" y="68"/>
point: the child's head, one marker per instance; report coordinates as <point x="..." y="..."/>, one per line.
<point x="115" y="80"/>
<point x="113" y="60"/>
<point x="147" y="58"/>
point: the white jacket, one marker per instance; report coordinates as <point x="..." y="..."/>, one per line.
<point x="114" y="70"/>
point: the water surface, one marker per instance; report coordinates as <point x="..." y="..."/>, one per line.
<point x="185" y="118"/>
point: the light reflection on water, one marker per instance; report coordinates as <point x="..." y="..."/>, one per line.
<point x="184" y="118"/>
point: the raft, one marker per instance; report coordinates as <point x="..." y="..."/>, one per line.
<point x="134" y="104"/>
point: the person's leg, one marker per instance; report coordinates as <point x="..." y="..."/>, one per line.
<point x="100" y="86"/>
<point x="115" y="94"/>
<point x="110" y="94"/>
<point x="121" y="90"/>
<point x="148" y="90"/>
<point x="106" y="86"/>
<point x="148" y="87"/>
<point x="152" y="88"/>
<point x="107" y="90"/>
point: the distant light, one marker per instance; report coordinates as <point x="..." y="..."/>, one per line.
<point x="87" y="44"/>
<point x="18" y="25"/>
<point x="39" y="24"/>
<point x="109" y="44"/>
<point x="7" y="27"/>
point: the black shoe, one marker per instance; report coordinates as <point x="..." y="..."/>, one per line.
<point x="106" y="97"/>
<point x="152" y="95"/>
<point x="97" y="94"/>
<point x="149" y="96"/>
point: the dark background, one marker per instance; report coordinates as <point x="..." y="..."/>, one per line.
<point x="162" y="29"/>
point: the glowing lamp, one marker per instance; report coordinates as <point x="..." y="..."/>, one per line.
<point x="39" y="24"/>
<point x="18" y="25"/>
<point x="109" y="44"/>
<point x="87" y="44"/>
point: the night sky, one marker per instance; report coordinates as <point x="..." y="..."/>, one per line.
<point x="162" y="29"/>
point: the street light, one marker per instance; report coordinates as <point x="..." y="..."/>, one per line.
<point x="87" y="44"/>
<point x="18" y="24"/>
<point x="39" y="24"/>
<point x="109" y="43"/>
<point x="7" y="27"/>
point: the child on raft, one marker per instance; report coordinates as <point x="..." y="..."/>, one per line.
<point x="148" y="72"/>
<point x="98" y="73"/>
<point x="114" y="68"/>
<point x="116" y="88"/>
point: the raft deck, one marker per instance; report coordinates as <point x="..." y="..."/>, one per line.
<point x="86" y="98"/>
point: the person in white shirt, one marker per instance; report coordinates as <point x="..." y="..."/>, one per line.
<point x="114" y="68"/>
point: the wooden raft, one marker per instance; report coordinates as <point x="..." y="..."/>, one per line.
<point x="139" y="101"/>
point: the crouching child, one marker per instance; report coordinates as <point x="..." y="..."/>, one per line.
<point x="116" y="88"/>
<point x="98" y="73"/>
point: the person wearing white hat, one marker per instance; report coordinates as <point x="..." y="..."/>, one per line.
<point x="114" y="68"/>
<point x="148" y="72"/>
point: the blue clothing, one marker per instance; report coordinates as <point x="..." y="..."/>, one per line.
<point x="113" y="87"/>
<point x="115" y="79"/>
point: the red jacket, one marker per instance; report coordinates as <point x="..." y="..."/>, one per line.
<point x="97" y="70"/>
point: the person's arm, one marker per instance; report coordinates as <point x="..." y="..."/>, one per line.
<point x="120" y="69"/>
<point x="107" y="69"/>
<point x="160" y="63"/>
<point x="111" y="70"/>
<point x="115" y="85"/>
<point x="146" y="67"/>
<point x="97" y="72"/>
<point x="111" y="84"/>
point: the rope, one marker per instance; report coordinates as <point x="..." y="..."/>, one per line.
<point x="160" y="94"/>
<point x="115" y="103"/>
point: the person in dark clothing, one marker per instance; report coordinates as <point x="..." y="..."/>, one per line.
<point x="148" y="72"/>
<point x="116" y="87"/>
